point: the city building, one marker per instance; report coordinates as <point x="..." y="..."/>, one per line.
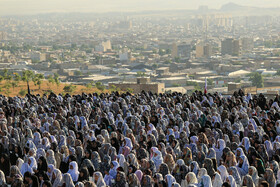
<point x="181" y="50"/>
<point x="203" y="51"/>
<point x="230" y="46"/>
<point x="143" y="83"/>
<point x="3" y="35"/>
<point x="127" y="24"/>
<point x="104" y="46"/>
<point x="38" y="56"/>
<point x="247" y="44"/>
<point x="162" y="71"/>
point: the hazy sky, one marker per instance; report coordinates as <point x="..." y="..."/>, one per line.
<point x="9" y="7"/>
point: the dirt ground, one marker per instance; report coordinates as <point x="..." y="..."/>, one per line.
<point x="45" y="87"/>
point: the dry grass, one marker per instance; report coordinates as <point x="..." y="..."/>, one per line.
<point x="45" y="87"/>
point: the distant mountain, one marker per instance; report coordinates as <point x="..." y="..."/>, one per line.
<point x="232" y="7"/>
<point x="239" y="10"/>
<point x="229" y="8"/>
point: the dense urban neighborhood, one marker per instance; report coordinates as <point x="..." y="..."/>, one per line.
<point x="174" y="50"/>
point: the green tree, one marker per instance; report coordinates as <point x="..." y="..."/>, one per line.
<point x="278" y="72"/>
<point x="168" y="51"/>
<point x="154" y="66"/>
<point x="78" y="73"/>
<point x="191" y="83"/>
<point x="56" y="79"/>
<point x="22" y="92"/>
<point x="55" y="47"/>
<point x="89" y="86"/>
<point x="7" y="87"/>
<point x="50" y="80"/>
<point x="1" y="78"/>
<point x="57" y="82"/>
<point x="34" y="61"/>
<point x="167" y="62"/>
<point x="27" y="76"/>
<point x="73" y="46"/>
<point x="268" y="44"/>
<point x="99" y="86"/>
<point x="257" y="79"/>
<point x="176" y="85"/>
<point x="56" y="75"/>
<point x="177" y="59"/>
<point x="83" y="47"/>
<point x="26" y="47"/>
<point x="161" y="52"/>
<point x="69" y="88"/>
<point x="37" y="79"/>
<point x="197" y="87"/>
<point x="141" y="74"/>
<point x="113" y="88"/>
<point x="238" y="80"/>
<point x="17" y="77"/>
<point x="129" y="90"/>
<point x="7" y="75"/>
<point x="14" y="84"/>
<point x="210" y="82"/>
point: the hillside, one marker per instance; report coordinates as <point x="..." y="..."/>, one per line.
<point x="46" y="87"/>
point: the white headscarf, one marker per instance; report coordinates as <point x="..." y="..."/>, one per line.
<point x="231" y="180"/>
<point x="121" y="160"/>
<point x="51" y="157"/>
<point x="157" y="159"/>
<point x="152" y="128"/>
<point x="67" y="180"/>
<point x="194" y="139"/>
<point x="223" y="172"/>
<point x="278" y="177"/>
<point x="278" y="126"/>
<point x="275" y="104"/>
<point x="75" y="171"/>
<point x="33" y="163"/>
<point x="2" y="178"/>
<point x="52" y="167"/>
<point x="37" y="138"/>
<point x="19" y="163"/>
<point x="195" y="168"/>
<point x="255" y="175"/>
<point x="221" y="144"/>
<point x="153" y="150"/>
<point x="24" y="168"/>
<point x="205" y="182"/>
<point x="62" y="140"/>
<point x="113" y="171"/>
<point x="240" y="150"/>
<point x="277" y="139"/>
<point x="253" y="122"/>
<point x="245" y="166"/>
<point x="53" y="139"/>
<point x="131" y="158"/>
<point x="128" y="143"/>
<point x="46" y="144"/>
<point x="217" y="182"/>
<point x="269" y="148"/>
<point x="170" y="180"/>
<point x="58" y="178"/>
<point x="100" y="181"/>
<point x="246" y="142"/>
<point x="202" y="172"/>
<point x="31" y="145"/>
<point x="192" y="178"/>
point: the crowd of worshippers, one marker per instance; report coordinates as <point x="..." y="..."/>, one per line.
<point x="144" y="139"/>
